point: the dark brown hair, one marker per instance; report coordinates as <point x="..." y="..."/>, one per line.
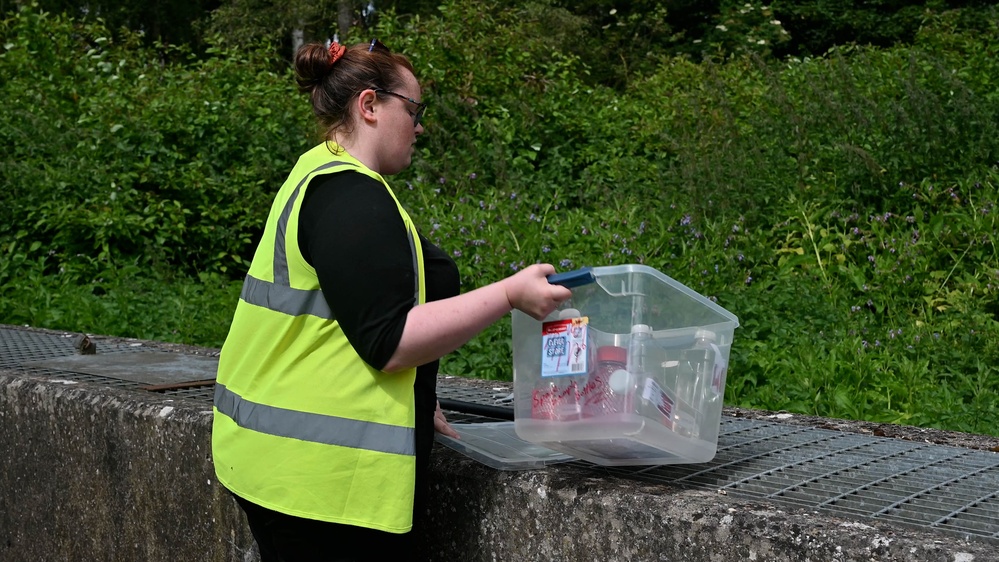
<point x="331" y="87"/>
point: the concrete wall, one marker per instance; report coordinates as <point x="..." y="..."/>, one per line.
<point x="94" y="473"/>
<point x="97" y="473"/>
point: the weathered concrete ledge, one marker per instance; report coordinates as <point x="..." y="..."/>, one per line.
<point x="567" y="513"/>
<point x="97" y="473"/>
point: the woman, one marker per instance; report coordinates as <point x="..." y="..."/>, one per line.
<point x="325" y="403"/>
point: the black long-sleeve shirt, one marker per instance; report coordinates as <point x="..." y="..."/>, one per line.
<point x="351" y="232"/>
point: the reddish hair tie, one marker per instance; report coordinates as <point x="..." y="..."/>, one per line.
<point x="336" y="51"/>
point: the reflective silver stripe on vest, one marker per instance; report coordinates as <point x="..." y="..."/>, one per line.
<point x="315" y="428"/>
<point x="281" y="298"/>
<point x="281" y="276"/>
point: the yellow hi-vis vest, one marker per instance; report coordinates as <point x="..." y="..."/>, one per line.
<point x="302" y="425"/>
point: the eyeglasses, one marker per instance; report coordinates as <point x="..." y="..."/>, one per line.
<point x="376" y="44"/>
<point x="420" y="107"/>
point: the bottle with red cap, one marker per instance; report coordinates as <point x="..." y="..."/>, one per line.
<point x="605" y="389"/>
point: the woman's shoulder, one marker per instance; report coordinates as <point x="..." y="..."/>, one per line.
<point x="347" y="186"/>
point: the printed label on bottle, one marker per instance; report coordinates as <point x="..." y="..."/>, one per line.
<point x="564" y="347"/>
<point x="655" y="395"/>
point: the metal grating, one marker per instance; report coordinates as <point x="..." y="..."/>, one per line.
<point x="915" y="484"/>
<point x="20" y="348"/>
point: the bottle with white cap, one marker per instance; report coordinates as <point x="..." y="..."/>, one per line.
<point x="696" y="371"/>
<point x="611" y="388"/>
<point x="641" y="334"/>
<point x="626" y="382"/>
<point x="714" y="367"/>
<point x="557" y="398"/>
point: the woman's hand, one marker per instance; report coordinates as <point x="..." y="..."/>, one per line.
<point x="530" y="292"/>
<point x="441" y="426"/>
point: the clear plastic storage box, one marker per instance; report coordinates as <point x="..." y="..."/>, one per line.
<point x="630" y="371"/>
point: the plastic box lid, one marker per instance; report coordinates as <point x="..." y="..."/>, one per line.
<point x="495" y="444"/>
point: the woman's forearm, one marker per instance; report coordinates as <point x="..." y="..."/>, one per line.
<point x="437" y="328"/>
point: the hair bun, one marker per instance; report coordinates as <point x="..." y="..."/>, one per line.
<point x="313" y="63"/>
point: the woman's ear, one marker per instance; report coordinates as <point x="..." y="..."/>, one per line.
<point x="366" y="106"/>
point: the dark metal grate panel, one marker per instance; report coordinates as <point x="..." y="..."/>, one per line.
<point x="948" y="488"/>
<point x="20" y="349"/>
<point x="21" y="346"/>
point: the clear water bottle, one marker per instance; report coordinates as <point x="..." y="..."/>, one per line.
<point x="641" y="335"/>
<point x="694" y="377"/>
<point x="626" y="382"/>
<point x="714" y="367"/>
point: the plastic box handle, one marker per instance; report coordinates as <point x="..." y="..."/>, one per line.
<point x="574" y="278"/>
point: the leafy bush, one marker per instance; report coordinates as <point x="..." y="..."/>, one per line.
<point x="843" y="207"/>
<point x="118" y="158"/>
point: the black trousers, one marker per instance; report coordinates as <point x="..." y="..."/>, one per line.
<point x="286" y="538"/>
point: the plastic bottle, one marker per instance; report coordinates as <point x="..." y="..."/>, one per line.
<point x="623" y="383"/>
<point x="597" y="396"/>
<point x="641" y="334"/>
<point x="568" y="313"/>
<point x="611" y="388"/>
<point x="558" y="398"/>
<point x="696" y="371"/>
<point x="714" y="367"/>
<point x="647" y="395"/>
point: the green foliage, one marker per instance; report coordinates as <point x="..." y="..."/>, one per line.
<point x="745" y="28"/>
<point x="124" y="301"/>
<point x="819" y="25"/>
<point x="247" y="23"/>
<point x="619" y="40"/>
<point x="843" y="206"/>
<point x="884" y="317"/>
<point x="516" y="108"/>
<point x="116" y="157"/>
<point x="163" y="21"/>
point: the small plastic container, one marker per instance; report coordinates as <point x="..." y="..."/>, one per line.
<point x="664" y="406"/>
